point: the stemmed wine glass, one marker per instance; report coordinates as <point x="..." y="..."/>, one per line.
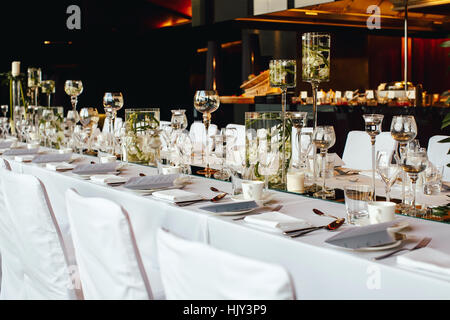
<point x="206" y="102"/>
<point x="298" y="120"/>
<point x="74" y="88"/>
<point x="373" y="128"/>
<point x="387" y="169"/>
<point x="269" y="162"/>
<point x="112" y="102"/>
<point x="413" y="163"/>
<point x="89" y="118"/>
<point x="324" y="138"/>
<point x="403" y="130"/>
<point x="283" y="75"/>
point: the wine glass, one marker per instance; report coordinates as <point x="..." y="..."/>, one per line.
<point x="89" y="118"/>
<point x="387" y="169"/>
<point x="373" y="128"/>
<point x="413" y="163"/>
<point x="206" y="102"/>
<point x="298" y="120"/>
<point x="283" y="75"/>
<point x="179" y="119"/>
<point x="48" y="87"/>
<point x="324" y="138"/>
<point x="112" y="102"/>
<point x="269" y="162"/>
<point x="403" y="130"/>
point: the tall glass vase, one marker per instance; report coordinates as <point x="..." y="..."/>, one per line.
<point x="315" y="69"/>
<point x="283" y="75"/>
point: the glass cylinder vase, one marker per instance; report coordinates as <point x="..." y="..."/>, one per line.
<point x="142" y="141"/>
<point x="264" y="148"/>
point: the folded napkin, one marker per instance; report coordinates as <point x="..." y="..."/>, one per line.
<point x="52" y="157"/>
<point x="59" y="166"/>
<point x="98" y="168"/>
<point x="20" y="152"/>
<point x="107" y="178"/>
<point x="151" y="182"/>
<point x="24" y="158"/>
<point x="177" y="195"/>
<point x="427" y="259"/>
<point x="277" y="221"/>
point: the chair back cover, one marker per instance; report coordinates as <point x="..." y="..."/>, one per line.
<point x="193" y="271"/>
<point x="437" y="154"/>
<point x="358" y="149"/>
<point x="197" y="134"/>
<point x="240" y="133"/>
<point x="109" y="262"/>
<point x="41" y="248"/>
<point x="12" y="272"/>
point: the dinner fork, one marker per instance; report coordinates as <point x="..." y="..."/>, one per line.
<point x="423" y="243"/>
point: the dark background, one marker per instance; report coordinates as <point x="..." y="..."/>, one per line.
<point x="122" y="47"/>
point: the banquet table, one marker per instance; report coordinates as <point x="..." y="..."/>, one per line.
<point x="318" y="270"/>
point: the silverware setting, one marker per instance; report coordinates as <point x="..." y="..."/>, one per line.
<point x="217" y="190"/>
<point x="300" y="232"/>
<point x="422" y="243"/>
<point x="276" y="208"/>
<point x="321" y="213"/>
<point x="188" y="203"/>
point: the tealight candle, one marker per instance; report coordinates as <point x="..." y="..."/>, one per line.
<point x="296" y="182"/>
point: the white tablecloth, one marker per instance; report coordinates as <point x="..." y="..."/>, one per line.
<point x="319" y="271"/>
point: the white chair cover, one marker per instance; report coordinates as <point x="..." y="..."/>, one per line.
<point x="240" y="133"/>
<point x="358" y="149"/>
<point x="109" y="261"/>
<point x="42" y="251"/>
<point x="197" y="134"/>
<point x="192" y="271"/>
<point x="437" y="154"/>
<point x="12" y="272"/>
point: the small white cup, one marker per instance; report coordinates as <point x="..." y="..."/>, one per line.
<point x="381" y="211"/>
<point x="108" y="159"/>
<point x="252" y="190"/>
<point x="171" y="170"/>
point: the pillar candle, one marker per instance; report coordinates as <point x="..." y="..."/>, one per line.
<point x="15" y="68"/>
<point x="296" y="182"/>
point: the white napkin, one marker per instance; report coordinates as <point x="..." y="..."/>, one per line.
<point x="59" y="166"/>
<point x="177" y="195"/>
<point x="427" y="259"/>
<point x="107" y="178"/>
<point x="277" y="221"/>
<point x="25" y="158"/>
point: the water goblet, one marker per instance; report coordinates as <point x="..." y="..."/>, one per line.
<point x="323" y="139"/>
<point x="112" y="102"/>
<point x="403" y="130"/>
<point x="206" y="102"/>
<point x="373" y="128"/>
<point x="387" y="169"/>
<point x="413" y="163"/>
